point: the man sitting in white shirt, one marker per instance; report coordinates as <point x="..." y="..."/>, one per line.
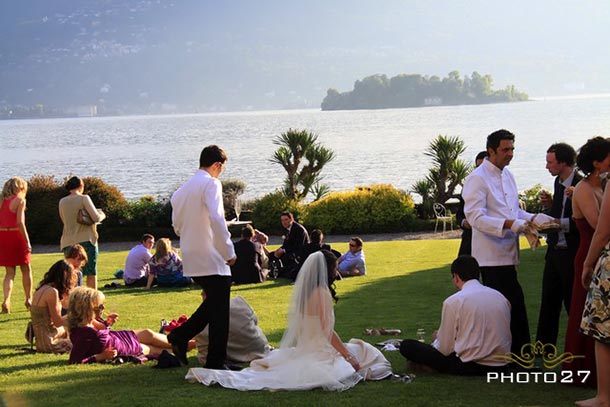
<point x="136" y="263"/>
<point x="352" y="263"/>
<point x="474" y="331"/>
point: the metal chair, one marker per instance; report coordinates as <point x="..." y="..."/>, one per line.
<point x="441" y="216"/>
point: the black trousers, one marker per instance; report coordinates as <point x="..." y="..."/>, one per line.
<point x="425" y="354"/>
<point x="466" y="243"/>
<point x="557" y="281"/>
<point x="213" y="311"/>
<point x="504" y="279"/>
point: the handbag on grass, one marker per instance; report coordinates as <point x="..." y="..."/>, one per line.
<point x="84" y="218"/>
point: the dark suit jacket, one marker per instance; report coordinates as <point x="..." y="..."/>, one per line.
<point x="310" y="248"/>
<point x="466" y="244"/>
<point x="295" y="240"/>
<point x="572" y="237"/>
<point x="247" y="267"/>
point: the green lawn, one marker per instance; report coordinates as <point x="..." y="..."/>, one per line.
<point x="405" y="286"/>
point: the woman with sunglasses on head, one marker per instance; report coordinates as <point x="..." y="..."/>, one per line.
<point x="47" y="321"/>
<point x="92" y="339"/>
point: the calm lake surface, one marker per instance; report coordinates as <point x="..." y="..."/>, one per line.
<point x="153" y="155"/>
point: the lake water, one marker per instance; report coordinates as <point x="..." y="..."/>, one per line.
<point x="153" y="155"/>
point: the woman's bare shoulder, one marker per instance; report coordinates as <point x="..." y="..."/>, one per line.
<point x="17" y="203"/>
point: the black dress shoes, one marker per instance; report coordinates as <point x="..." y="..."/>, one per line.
<point x="179" y="348"/>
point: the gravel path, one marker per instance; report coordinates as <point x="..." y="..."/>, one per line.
<point x="274" y="240"/>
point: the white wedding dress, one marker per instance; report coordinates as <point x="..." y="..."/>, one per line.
<point x="306" y="359"/>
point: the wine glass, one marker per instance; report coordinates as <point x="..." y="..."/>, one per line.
<point x="237" y="208"/>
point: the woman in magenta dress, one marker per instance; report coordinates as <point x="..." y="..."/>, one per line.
<point x="593" y="159"/>
<point x="15" y="247"/>
<point x="92" y="342"/>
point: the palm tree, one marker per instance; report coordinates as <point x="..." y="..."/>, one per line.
<point x="303" y="158"/>
<point x="448" y="170"/>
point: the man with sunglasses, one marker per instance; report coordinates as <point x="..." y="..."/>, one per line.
<point x="352" y="263"/>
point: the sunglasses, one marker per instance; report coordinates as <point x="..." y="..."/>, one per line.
<point x="100" y="307"/>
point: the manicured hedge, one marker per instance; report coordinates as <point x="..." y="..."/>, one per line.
<point x="267" y="210"/>
<point x="124" y="220"/>
<point x="374" y="209"/>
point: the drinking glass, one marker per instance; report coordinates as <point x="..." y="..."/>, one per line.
<point x="237" y="208"/>
<point x="421" y="335"/>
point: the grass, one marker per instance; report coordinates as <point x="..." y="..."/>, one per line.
<point x="405" y="287"/>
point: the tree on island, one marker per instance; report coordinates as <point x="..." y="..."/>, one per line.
<point x="447" y="172"/>
<point x="303" y="158"/>
<point x="412" y="90"/>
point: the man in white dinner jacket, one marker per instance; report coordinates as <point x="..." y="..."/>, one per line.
<point x="491" y="205"/>
<point x="198" y="217"/>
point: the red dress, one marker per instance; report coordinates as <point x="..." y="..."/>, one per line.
<point x="577" y="343"/>
<point x="13" y="247"/>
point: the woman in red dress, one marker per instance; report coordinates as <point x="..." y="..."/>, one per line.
<point x="15" y="245"/>
<point x="593" y="159"/>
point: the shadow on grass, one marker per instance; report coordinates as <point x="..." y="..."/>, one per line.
<point x="407" y="301"/>
<point x="34" y="366"/>
<point x="138" y="291"/>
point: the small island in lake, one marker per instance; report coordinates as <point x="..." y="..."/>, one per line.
<point x="413" y="90"/>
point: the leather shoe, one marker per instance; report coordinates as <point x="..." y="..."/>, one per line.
<point x="179" y="348"/>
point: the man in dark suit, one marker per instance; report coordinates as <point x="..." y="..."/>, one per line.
<point x="466" y="243"/>
<point x="558" y="273"/>
<point x="316" y="244"/>
<point x="295" y="238"/>
<point x="248" y="266"/>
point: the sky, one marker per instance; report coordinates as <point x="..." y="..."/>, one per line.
<point x="239" y="55"/>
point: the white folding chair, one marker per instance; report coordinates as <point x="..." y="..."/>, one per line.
<point x="441" y="216"/>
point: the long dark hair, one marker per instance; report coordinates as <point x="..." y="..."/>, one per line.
<point x="331" y="266"/>
<point x="61" y="276"/>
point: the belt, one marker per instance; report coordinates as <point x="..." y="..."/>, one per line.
<point x="9" y="229"/>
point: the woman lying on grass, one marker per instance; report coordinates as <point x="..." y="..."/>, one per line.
<point x="92" y="343"/>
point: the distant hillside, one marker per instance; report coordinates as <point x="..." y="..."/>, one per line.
<point x="413" y="90"/>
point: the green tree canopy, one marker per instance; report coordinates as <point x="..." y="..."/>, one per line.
<point x="409" y="90"/>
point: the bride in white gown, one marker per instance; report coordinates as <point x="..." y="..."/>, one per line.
<point x="311" y="354"/>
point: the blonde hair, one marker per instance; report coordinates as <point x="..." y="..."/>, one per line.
<point x="162" y="248"/>
<point x="83" y="303"/>
<point x="13" y="186"/>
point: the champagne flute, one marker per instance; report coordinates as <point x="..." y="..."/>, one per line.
<point x="237" y="208"/>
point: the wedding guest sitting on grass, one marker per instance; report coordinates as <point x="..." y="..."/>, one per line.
<point x="47" y="325"/>
<point x="474" y="330"/>
<point x="352" y="262"/>
<point x="262" y="239"/>
<point x="316" y="244"/>
<point x="136" y="263"/>
<point x="248" y="267"/>
<point x="165" y="267"/>
<point x="77" y="257"/>
<point x="92" y="343"/>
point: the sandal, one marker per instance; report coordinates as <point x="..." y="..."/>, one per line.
<point x="28" y="304"/>
<point x="6" y="309"/>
